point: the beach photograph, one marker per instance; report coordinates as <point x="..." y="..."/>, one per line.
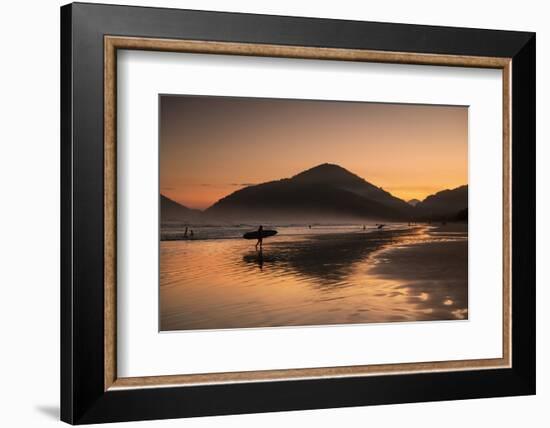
<point x="289" y="212"/>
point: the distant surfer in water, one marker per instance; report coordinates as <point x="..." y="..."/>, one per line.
<point x="260" y="237"/>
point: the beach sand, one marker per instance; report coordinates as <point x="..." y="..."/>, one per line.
<point x="415" y="273"/>
<point x="433" y="272"/>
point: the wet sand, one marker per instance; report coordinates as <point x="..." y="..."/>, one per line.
<point x="434" y="273"/>
<point x="414" y="274"/>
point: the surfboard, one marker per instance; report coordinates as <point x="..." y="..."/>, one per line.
<point x="256" y="235"/>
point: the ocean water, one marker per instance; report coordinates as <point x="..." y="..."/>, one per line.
<point x="329" y="274"/>
<point x="175" y="231"/>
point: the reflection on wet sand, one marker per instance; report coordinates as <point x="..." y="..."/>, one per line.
<point x="328" y="259"/>
<point x="412" y="274"/>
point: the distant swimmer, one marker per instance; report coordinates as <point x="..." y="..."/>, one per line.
<point x="364" y="227"/>
<point x="380" y="226"/>
<point x="185" y="233"/>
<point x="191" y="234"/>
<point x="309" y="226"/>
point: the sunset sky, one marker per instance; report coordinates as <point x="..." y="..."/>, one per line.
<point x="212" y="146"/>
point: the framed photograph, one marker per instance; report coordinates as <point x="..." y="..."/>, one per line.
<point x="265" y="213"/>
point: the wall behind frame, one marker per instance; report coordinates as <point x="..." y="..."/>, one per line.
<point x="29" y="220"/>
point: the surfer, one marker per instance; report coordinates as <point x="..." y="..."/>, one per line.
<point x="259" y="234"/>
<point x="260" y="237"/>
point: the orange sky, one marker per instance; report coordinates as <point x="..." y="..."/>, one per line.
<point x="212" y="146"/>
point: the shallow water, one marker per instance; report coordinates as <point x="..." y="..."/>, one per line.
<point x="176" y="231"/>
<point x="332" y="276"/>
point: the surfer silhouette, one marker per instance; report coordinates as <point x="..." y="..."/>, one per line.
<point x="260" y="237"/>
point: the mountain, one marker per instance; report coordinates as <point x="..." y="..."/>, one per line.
<point x="338" y="177"/>
<point x="172" y="211"/>
<point x="445" y="203"/>
<point x="325" y="192"/>
<point x="462" y="215"/>
<point x="413" y="202"/>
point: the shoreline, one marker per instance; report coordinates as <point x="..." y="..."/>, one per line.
<point x="167" y="234"/>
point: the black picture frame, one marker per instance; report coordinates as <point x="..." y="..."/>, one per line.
<point x="83" y="398"/>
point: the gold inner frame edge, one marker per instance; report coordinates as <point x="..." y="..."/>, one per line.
<point x="113" y="43"/>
